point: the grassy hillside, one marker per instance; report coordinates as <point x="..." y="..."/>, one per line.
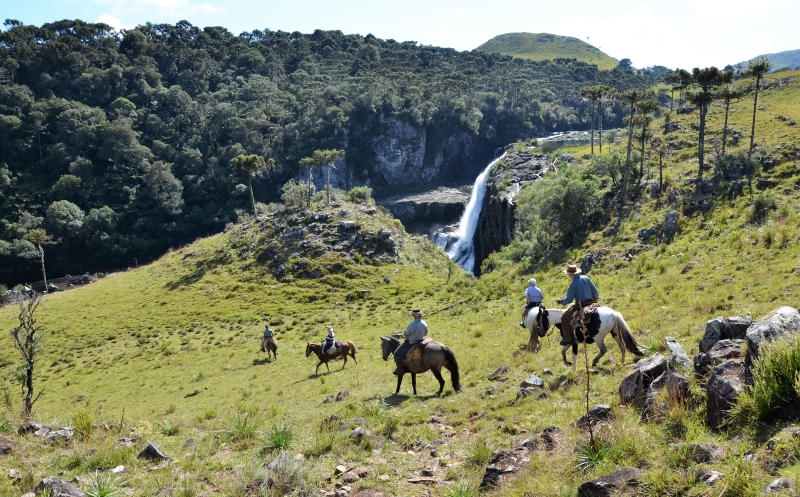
<point x="788" y="58"/>
<point x="169" y="352"/>
<point x="545" y="46"/>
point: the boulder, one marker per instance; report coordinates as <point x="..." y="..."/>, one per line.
<point x="597" y="414"/>
<point x="783" y="322"/>
<point x="430" y="467"/>
<point x="781" y="483"/>
<point x="62" y="435"/>
<point x="702" y="365"/>
<point x="676" y="384"/>
<point x="342" y="395"/>
<point x="725" y="384"/>
<point x="532" y="381"/>
<point x="723" y="350"/>
<point x="700" y="452"/>
<point x="678" y="357"/>
<point x="503" y="464"/>
<point x="59" y="488"/>
<point x="707" y="476"/>
<point x="31" y="427"/>
<point x="716" y="330"/>
<point x="737" y="326"/>
<point x="350" y="477"/>
<point x="610" y="484"/>
<point x="639" y="378"/>
<point x="152" y="453"/>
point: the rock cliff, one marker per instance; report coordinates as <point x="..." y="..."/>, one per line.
<point x="422" y="211"/>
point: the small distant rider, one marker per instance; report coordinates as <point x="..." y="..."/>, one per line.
<point x="534" y="296"/>
<point x="581" y="291"/>
<point x="414" y="333"/>
<point x="268" y="332"/>
<point x="329" y="342"/>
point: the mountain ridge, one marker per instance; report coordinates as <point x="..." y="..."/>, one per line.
<point x="546" y="46"/>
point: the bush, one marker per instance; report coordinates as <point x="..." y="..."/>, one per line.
<point x="761" y="207"/>
<point x="83" y="421"/>
<point x="281" y="437"/>
<point x="776" y="384"/>
<point x="295" y="195"/>
<point x="286" y="476"/>
<point x="360" y="195"/>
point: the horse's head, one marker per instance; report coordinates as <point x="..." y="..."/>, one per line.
<point x="386" y="348"/>
<point x="309" y="349"/>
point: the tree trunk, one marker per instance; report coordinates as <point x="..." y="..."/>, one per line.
<point x="641" y="159"/>
<point x="701" y="145"/>
<point x="627" y="159"/>
<point x="309" y="188"/>
<point x="592" y="138"/>
<point x="660" y="174"/>
<point x="44" y="275"/>
<point x="252" y="198"/>
<point x="27" y="398"/>
<point x="671" y="99"/>
<point x="328" y="186"/>
<point x="39" y="139"/>
<point x="600" y="135"/>
<point x="725" y="127"/>
<point x="750" y="165"/>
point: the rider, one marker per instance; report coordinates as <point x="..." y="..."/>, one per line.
<point x="533" y="298"/>
<point x="329" y="342"/>
<point x="414" y="334"/>
<point x="581" y="291"/>
<point x="268" y="333"/>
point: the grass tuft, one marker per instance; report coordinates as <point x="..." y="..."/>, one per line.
<point x="280" y="437"/>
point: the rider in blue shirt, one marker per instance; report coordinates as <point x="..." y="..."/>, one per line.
<point x="581" y="291"/>
<point x="533" y="298"/>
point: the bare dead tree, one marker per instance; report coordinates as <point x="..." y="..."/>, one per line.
<point x="29" y="341"/>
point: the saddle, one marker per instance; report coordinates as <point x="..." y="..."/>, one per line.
<point x="415" y="353"/>
<point x="577" y="324"/>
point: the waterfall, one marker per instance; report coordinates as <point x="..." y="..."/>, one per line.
<point x="463" y="250"/>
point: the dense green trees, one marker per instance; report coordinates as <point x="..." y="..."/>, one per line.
<point x="136" y="131"/>
<point x="705" y="80"/>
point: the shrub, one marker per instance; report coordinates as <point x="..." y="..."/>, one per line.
<point x="776" y="384"/>
<point x="479" y="453"/>
<point x="243" y="427"/>
<point x="168" y="429"/>
<point x="83" y="421"/>
<point x="360" y="195"/>
<point x="286" y="476"/>
<point x="590" y="454"/>
<point x="761" y="207"/>
<point x="280" y="437"/>
<point x="295" y="195"/>
<point x="100" y="487"/>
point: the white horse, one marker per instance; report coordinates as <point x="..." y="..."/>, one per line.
<point x="605" y="320"/>
<point x="535" y="328"/>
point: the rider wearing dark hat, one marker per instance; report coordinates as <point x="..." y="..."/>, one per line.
<point x="414" y="333"/>
<point x="581" y="291"/>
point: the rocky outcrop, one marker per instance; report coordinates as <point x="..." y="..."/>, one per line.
<point x="637" y="381"/>
<point x="440" y="206"/>
<point x="725" y="384"/>
<point x="496" y="223"/>
<point x="781" y="323"/>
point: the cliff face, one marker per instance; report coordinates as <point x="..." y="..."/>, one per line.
<point x="496" y="223"/>
<point x="393" y="155"/>
<point x="423" y="211"/>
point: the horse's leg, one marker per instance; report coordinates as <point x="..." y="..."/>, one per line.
<point x="414" y="382"/>
<point x="353" y="354"/>
<point x="316" y="371"/>
<point x="600" y="341"/>
<point x="438" y="374"/>
<point x="399" y="382"/>
<point x="575" y="355"/>
<point x="564" y="355"/>
<point x="618" y="338"/>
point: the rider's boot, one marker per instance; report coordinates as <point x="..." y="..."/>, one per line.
<point x="522" y="324"/>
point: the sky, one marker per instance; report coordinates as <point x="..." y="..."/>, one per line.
<point x="676" y="33"/>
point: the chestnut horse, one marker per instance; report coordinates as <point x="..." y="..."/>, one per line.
<point x="345" y="349"/>
<point x="435" y="356"/>
<point x="269" y="345"/>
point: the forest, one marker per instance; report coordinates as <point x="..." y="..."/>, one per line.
<point x="118" y="144"/>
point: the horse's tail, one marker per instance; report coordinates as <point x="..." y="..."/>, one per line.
<point x="452" y="365"/>
<point x="627" y="336"/>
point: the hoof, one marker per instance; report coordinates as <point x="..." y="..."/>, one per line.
<point x="568" y="363"/>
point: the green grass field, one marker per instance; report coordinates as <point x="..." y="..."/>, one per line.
<point x="545" y="46"/>
<point x="170" y="352"/>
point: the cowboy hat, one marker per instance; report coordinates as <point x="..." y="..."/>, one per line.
<point x="532" y="281"/>
<point x="416" y="312"/>
<point x="573" y="269"/>
<point x="329" y="328"/>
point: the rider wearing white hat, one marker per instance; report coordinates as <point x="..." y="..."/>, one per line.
<point x="533" y="298"/>
<point x="414" y="333"/>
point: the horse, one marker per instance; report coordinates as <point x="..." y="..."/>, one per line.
<point x="603" y="321"/>
<point x="434" y="356"/>
<point x="345" y="349"/>
<point x="535" y="328"/>
<point x="269" y="345"/>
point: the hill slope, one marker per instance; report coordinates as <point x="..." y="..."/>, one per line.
<point x="545" y="46"/>
<point x="788" y="58"/>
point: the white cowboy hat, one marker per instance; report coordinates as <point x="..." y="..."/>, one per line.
<point x="329" y="328"/>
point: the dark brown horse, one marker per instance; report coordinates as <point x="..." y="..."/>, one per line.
<point x="345" y="349"/>
<point x="269" y="345"/>
<point x="434" y="357"/>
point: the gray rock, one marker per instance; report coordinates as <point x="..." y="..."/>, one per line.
<point x="500" y="372"/>
<point x="781" y="323"/>
<point x="13" y="474"/>
<point x="737" y="326"/>
<point x="188" y="443"/>
<point x="610" y="484"/>
<point x="358" y="433"/>
<point x="504" y="463"/>
<point x="167" y="492"/>
<point x="676" y="384"/>
<point x="62" y="435"/>
<point x="702" y="365"/>
<point x="430" y="467"/>
<point x="670" y="227"/>
<point x="31" y="427"/>
<point x="597" y="414"/>
<point x="550" y="437"/>
<point x="59" y="488"/>
<point x="532" y="381"/>
<point x="342" y="395"/>
<point x="707" y="476"/>
<point x="724" y="386"/>
<point x="639" y="378"/>
<point x="152" y="453"/>
<point x="781" y="483"/>
<point x="716" y="330"/>
<point x="700" y="452"/>
<point x="678" y="357"/>
<point x="723" y="350"/>
<point x="350" y="477"/>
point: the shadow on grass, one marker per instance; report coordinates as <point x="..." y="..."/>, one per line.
<point x="397" y="399"/>
<point x="265" y="360"/>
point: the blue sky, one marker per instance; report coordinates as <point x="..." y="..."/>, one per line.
<point x="678" y="33"/>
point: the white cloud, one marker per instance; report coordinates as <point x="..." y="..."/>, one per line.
<point x="714" y="10"/>
<point x="457" y="12"/>
<point x="210" y="9"/>
<point x="114" y="22"/>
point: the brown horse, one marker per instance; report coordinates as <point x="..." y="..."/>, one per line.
<point x="269" y="345"/>
<point x="434" y="357"/>
<point x="345" y="349"/>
